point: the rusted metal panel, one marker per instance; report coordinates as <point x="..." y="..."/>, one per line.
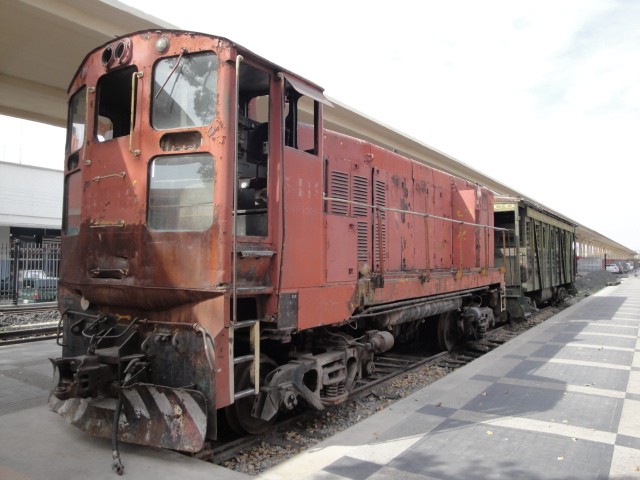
<point x="325" y="305"/>
<point x="400" y="253"/>
<point x="464" y="236"/>
<point x="288" y="311"/>
<point x="342" y="245"/>
<point x="423" y="192"/>
<point x="442" y="230"/>
<point x="304" y="240"/>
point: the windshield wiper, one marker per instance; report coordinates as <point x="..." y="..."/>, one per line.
<point x="182" y="52"/>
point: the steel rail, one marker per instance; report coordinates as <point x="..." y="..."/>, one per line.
<point x="25" y="335"/>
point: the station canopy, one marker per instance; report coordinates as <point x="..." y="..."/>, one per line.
<point x="42" y="43"/>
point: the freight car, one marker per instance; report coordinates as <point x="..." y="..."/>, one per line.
<point x="538" y="254"/>
<point x="225" y="257"/>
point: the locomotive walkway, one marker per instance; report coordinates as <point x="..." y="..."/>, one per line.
<point x="561" y="401"/>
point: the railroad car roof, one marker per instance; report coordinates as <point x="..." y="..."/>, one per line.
<point x="291" y="76"/>
<point x="536" y="206"/>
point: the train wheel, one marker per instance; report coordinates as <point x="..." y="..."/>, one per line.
<point x="561" y="296"/>
<point x="449" y="334"/>
<point x="238" y="414"/>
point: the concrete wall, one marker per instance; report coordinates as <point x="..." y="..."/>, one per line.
<point x="30" y="197"/>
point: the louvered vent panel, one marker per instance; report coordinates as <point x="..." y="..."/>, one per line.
<point x="339" y="188"/>
<point x="360" y="194"/>
<point x="381" y="196"/>
<point x="380" y="201"/>
<point x="363" y="241"/>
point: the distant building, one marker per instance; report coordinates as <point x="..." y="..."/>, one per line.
<point x="30" y="223"/>
<point x="30" y="203"/>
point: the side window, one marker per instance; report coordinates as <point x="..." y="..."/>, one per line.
<point x="301" y="121"/>
<point x="114" y="105"/>
<point x="72" y="203"/>
<point x="306" y="127"/>
<point x="76" y="120"/>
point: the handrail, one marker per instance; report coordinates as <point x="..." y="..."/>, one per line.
<point x="134" y="89"/>
<point x="411" y="212"/>
<point x="234" y="273"/>
<point x="89" y="91"/>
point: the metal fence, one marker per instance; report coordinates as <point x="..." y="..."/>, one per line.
<point x="29" y="272"/>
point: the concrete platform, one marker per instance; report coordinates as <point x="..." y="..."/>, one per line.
<point x="561" y="401"/>
<point x="37" y="444"/>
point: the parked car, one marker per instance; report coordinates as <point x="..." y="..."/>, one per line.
<point x="36" y="286"/>
<point x="613" y="268"/>
<point x="24" y="275"/>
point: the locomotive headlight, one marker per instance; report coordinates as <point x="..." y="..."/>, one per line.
<point x="107" y="57"/>
<point x="162" y="44"/>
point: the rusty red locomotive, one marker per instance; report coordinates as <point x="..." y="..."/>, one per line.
<point x="226" y="257"/>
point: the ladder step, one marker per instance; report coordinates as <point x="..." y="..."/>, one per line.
<point x="244" y="324"/>
<point x="255" y="290"/>
<point x="244" y="393"/>
<point x="243" y="359"/>
<point x="256" y="253"/>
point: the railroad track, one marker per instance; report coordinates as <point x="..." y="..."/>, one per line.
<point x="36" y="330"/>
<point x="28" y="308"/>
<point x="28" y="333"/>
<point x="388" y="367"/>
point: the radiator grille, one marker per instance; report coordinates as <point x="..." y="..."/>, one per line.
<point x="380" y="200"/>
<point x="363" y="241"/>
<point x="339" y="188"/>
<point x="360" y="194"/>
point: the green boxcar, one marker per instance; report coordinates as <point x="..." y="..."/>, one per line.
<point x="538" y="254"/>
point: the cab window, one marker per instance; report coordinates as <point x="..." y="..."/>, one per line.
<point x="114" y="105"/>
<point x="184" y="91"/>
<point x="76" y="120"/>
<point x="181" y="192"/>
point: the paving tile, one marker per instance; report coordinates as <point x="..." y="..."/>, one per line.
<point x="600" y="355"/>
<point x="576" y="409"/>
<point x="480" y="452"/>
<point x="352" y="468"/>
<point x="571" y="374"/>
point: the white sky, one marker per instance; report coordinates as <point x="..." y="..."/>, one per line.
<point x="541" y="95"/>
